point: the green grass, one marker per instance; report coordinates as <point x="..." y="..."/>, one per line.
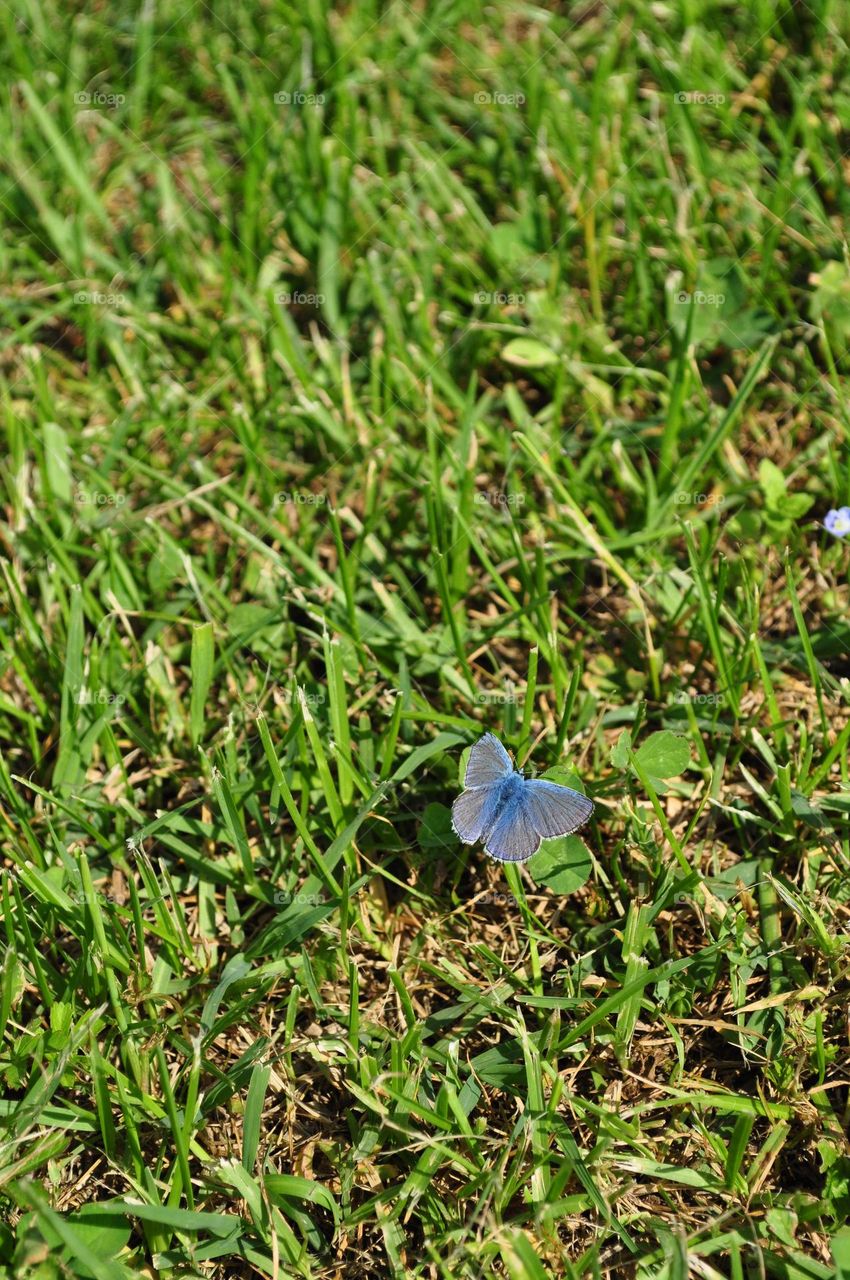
<point x="370" y="377"/>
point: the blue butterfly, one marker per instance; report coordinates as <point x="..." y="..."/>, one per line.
<point x="509" y="813"/>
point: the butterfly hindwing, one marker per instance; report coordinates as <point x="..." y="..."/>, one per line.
<point x="468" y="814"/>
<point x="512" y="837"/>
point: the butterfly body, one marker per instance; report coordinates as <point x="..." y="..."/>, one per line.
<point x="509" y="813"/>
<point x="502" y="798"/>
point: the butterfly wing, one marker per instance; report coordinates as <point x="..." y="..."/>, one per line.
<point x="468" y="813"/>
<point x="488" y="762"/>
<point x="512" y="837"/>
<point x="554" y="810"/>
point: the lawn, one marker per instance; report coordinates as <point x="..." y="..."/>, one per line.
<point x="372" y="377"/>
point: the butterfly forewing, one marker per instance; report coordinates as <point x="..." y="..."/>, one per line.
<point x="488" y="762"/>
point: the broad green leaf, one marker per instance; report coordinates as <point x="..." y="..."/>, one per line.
<point x="664" y="754"/>
<point x="830" y="301"/>
<point x="103" y="1233"/>
<point x="436" y="831"/>
<point x="620" y="750"/>
<point x="528" y="353"/>
<point x="793" y="506"/>
<point x="772" y="482"/>
<point x="840" y="1245"/>
<point x="563" y="864"/>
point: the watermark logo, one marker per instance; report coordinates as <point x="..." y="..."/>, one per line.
<point x="496" y="498"/>
<point x="696" y="98"/>
<point x="93" y="298"/>
<point x="301" y="299"/>
<point x="485" y="298"/>
<point x="498" y="99"/>
<point x="646" y="888"/>
<point x="284" y="899"/>
<point x="99" y="99"/>
<point x="315" y="699"/>
<point x="510" y="694"/>
<point x="91" y="498"/>
<point x="286" y="697"/>
<point x="685" y="499"/>
<point x="698" y="299"/>
<point x="299" y="498"/>
<point x="700" y="699"/>
<point x="100" y="697"/>
<point x="299" y="99"/>
<point x="98" y="897"/>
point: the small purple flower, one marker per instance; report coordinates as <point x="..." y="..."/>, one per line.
<point x="838" y="522"/>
